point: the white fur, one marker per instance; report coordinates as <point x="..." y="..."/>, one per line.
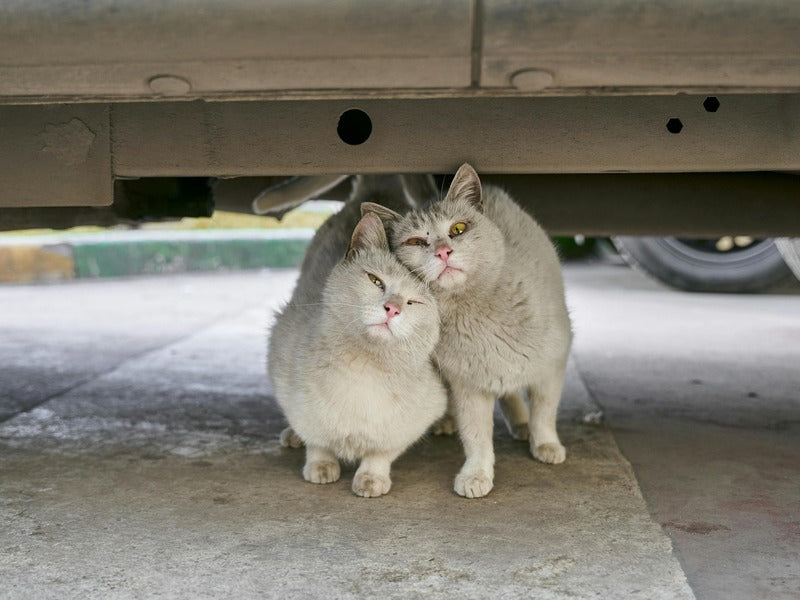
<point x="351" y="387"/>
<point x="504" y="321"/>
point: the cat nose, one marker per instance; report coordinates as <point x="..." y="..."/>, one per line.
<point x="391" y="309"/>
<point x="443" y="252"/>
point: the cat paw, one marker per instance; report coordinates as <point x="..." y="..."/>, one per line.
<point x="473" y="485"/>
<point x="323" y="471"/>
<point x="520" y="431"/>
<point x="369" y="485"/>
<point x="289" y="439"/>
<point x="552" y="453"/>
<point x="445" y="426"/>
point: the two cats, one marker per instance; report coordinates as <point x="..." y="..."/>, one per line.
<point x="504" y="326"/>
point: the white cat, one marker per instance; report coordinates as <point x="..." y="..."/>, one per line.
<point x="504" y="321"/>
<point x="350" y="358"/>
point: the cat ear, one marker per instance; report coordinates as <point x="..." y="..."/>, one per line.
<point x="369" y="233"/>
<point x="467" y="186"/>
<point x="387" y="215"/>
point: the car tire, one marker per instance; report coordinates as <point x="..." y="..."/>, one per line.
<point x="790" y="250"/>
<point x="695" y="266"/>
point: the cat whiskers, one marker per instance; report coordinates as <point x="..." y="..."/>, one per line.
<point x="328" y="303"/>
<point x="340" y="329"/>
<point x="338" y="334"/>
<point x="418" y="271"/>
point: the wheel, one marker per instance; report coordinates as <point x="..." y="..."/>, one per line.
<point x="790" y="249"/>
<point x="727" y="264"/>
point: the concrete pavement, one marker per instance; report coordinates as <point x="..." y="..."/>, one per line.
<point x="702" y="392"/>
<point x="139" y="457"/>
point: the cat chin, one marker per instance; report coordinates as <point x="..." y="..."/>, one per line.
<point x="380" y="331"/>
<point x="451" y="279"/>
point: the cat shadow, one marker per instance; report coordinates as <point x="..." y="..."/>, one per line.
<point x="430" y="465"/>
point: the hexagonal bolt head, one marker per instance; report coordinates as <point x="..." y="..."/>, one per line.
<point x="711" y="104"/>
<point x="674" y="125"/>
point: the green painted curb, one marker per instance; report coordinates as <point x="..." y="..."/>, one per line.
<point x="119" y="259"/>
<point x="126" y="253"/>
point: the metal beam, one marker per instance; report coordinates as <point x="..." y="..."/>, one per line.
<point x="55" y="155"/>
<point x="497" y="135"/>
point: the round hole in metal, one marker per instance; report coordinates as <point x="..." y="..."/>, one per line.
<point x="354" y="127"/>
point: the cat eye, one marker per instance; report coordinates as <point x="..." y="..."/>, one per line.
<point x="458" y="229"/>
<point x="376" y="281"/>
<point x="416" y="241"/>
<point x="410" y="302"/>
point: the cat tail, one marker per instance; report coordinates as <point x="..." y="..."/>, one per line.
<point x="398" y="192"/>
<point x="420" y="189"/>
<point x="386" y="190"/>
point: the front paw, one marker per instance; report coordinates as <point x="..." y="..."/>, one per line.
<point x="369" y="485"/>
<point x="322" y="471"/>
<point x="290" y="439"/>
<point x="552" y="453"/>
<point x="445" y="426"/>
<point x="473" y="484"/>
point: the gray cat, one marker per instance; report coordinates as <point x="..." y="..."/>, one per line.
<point x="504" y="321"/>
<point x="350" y="355"/>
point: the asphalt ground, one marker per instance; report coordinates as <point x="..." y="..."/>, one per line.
<point x="139" y="456"/>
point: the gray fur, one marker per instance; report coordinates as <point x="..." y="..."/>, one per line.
<point x="350" y="387"/>
<point x="504" y="321"/>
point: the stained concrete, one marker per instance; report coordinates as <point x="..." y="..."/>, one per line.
<point x="702" y="392"/>
<point x="139" y="457"/>
<point x="142" y="461"/>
